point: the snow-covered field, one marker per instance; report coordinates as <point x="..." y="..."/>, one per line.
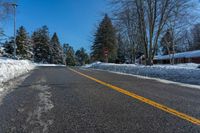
<point x="184" y="73"/>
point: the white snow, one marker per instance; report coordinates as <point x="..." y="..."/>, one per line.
<point x="46" y="65"/>
<point x="185" y="73"/>
<point x="190" y="54"/>
<point x="92" y="64"/>
<point x="177" y="66"/>
<point x="10" y="69"/>
<point x="161" y="80"/>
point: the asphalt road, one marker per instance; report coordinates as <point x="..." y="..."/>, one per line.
<point x="59" y="100"/>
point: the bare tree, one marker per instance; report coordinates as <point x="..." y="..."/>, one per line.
<point x="154" y="15"/>
<point x="195" y="37"/>
<point x="167" y="45"/>
<point x="152" y="18"/>
<point x="5" y="11"/>
<point x="179" y="21"/>
<point x="126" y="23"/>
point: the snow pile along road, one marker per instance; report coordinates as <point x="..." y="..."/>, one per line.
<point x="48" y="65"/>
<point x="10" y="69"/>
<point x="184" y="73"/>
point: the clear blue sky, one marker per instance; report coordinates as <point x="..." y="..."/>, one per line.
<point x="73" y="20"/>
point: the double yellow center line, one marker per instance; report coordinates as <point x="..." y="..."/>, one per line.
<point x="144" y="100"/>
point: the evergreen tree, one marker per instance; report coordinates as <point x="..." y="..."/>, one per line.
<point x="56" y="50"/>
<point x="41" y="41"/>
<point x="23" y="43"/>
<point x="69" y="53"/>
<point x="82" y="57"/>
<point x="9" y="47"/>
<point x="105" y="40"/>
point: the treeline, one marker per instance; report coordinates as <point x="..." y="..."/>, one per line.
<point x="146" y="28"/>
<point x="136" y="28"/>
<point x="40" y="47"/>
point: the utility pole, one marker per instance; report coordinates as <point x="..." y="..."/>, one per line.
<point x="15" y="46"/>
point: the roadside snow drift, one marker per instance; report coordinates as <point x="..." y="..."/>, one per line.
<point x="184" y="73"/>
<point x="10" y="69"/>
<point x="48" y="65"/>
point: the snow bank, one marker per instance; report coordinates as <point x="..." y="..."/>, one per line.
<point x="10" y="69"/>
<point x="91" y="65"/>
<point x="184" y="73"/>
<point x="189" y="54"/>
<point x="47" y="65"/>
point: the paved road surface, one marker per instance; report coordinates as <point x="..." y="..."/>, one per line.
<point x="58" y="100"/>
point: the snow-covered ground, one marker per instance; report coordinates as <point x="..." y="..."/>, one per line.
<point x="184" y="73"/>
<point x="46" y="65"/>
<point x="10" y="69"/>
<point x="188" y="54"/>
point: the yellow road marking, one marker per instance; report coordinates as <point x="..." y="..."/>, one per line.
<point x="145" y="100"/>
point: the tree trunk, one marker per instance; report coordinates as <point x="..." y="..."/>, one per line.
<point x="149" y="61"/>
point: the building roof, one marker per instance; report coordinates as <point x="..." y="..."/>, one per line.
<point x="189" y="54"/>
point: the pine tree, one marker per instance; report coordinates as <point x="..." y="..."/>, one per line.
<point x="23" y="44"/>
<point x="69" y="53"/>
<point x="82" y="57"/>
<point x="41" y="42"/>
<point x="56" y="50"/>
<point x="9" y="47"/>
<point x="105" y="40"/>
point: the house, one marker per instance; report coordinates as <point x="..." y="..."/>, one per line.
<point x="184" y="57"/>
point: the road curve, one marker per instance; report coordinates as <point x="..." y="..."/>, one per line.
<point x="59" y="100"/>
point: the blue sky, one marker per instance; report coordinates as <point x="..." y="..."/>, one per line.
<point x="73" y="20"/>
